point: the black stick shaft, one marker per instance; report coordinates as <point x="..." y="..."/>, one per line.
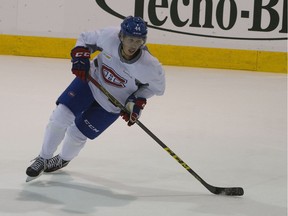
<point x="231" y="191"/>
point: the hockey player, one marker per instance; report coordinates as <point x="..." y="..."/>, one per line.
<point x="124" y="67"/>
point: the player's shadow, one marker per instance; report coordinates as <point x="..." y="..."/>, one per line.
<point x="68" y="197"/>
<point x="72" y="197"/>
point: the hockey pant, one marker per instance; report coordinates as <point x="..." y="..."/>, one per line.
<point x="77" y="117"/>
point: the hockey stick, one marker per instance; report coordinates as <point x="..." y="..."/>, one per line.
<point x="229" y="191"/>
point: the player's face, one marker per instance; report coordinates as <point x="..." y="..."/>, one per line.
<point x="131" y="46"/>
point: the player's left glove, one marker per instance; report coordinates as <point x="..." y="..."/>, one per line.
<point x="134" y="106"/>
<point x="80" y="62"/>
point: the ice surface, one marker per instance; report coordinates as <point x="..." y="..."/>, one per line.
<point x="229" y="126"/>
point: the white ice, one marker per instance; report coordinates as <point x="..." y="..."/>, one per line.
<point x="229" y="126"/>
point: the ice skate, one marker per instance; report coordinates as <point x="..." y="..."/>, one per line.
<point x="55" y="163"/>
<point x="36" y="168"/>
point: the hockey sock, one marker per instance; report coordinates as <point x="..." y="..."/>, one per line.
<point x="73" y="142"/>
<point x="60" y="120"/>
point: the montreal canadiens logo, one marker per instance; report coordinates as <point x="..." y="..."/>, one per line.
<point x="112" y="78"/>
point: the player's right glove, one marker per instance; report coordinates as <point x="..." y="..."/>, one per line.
<point x="80" y="62"/>
<point x="134" y="106"/>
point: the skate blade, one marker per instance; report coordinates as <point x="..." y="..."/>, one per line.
<point x="30" y="178"/>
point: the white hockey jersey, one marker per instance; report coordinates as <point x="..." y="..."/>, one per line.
<point x="143" y="76"/>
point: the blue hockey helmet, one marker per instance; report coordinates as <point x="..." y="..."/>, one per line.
<point x="134" y="26"/>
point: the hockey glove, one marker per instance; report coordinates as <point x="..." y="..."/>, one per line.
<point x="134" y="106"/>
<point x="80" y="62"/>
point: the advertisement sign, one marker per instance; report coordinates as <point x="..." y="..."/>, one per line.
<point x="225" y="19"/>
<point x="226" y="23"/>
<point x="240" y="34"/>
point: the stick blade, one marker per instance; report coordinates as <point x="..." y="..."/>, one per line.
<point x="231" y="191"/>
